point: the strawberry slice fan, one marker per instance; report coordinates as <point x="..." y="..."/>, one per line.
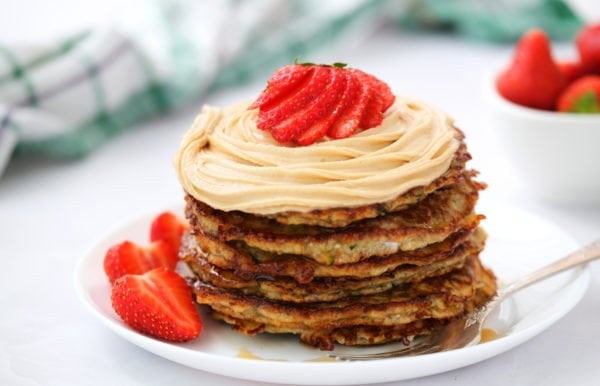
<point x="304" y="103"/>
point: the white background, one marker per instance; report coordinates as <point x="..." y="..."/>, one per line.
<point x="50" y="211"/>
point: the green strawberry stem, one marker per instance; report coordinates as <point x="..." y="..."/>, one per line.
<point x="336" y="64"/>
<point x="587" y="103"/>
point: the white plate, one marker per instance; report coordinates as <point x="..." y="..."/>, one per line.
<point x="518" y="242"/>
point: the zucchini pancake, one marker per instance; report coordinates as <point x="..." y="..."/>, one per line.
<point x="332" y="209"/>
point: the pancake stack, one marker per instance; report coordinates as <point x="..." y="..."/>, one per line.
<point x="359" y="275"/>
<point x="332" y="209"/>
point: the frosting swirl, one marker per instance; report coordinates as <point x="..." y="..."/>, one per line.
<point x="226" y="162"/>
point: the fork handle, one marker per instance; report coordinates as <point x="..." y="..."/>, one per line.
<point x="583" y="255"/>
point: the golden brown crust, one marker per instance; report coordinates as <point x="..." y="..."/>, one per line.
<point x="435" y="218"/>
<point x="328" y="289"/>
<point x="250" y="263"/>
<point x="349" y="336"/>
<point x="440" y="297"/>
<point x="340" y="217"/>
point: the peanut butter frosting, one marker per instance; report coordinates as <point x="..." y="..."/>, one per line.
<point x="228" y="163"/>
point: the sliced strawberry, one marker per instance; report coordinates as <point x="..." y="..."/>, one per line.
<point x="320" y="111"/>
<point x="581" y="96"/>
<point x="282" y="82"/>
<point x="335" y="104"/>
<point x="297" y="122"/>
<point x="380" y="99"/>
<point x="168" y="227"/>
<point x="350" y="117"/>
<point x="158" y="303"/>
<point x="315" y="83"/>
<point x="533" y="78"/>
<point x="588" y="46"/>
<point x="130" y="258"/>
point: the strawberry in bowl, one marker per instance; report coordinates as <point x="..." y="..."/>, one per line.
<point x="535" y="79"/>
<point x="544" y="112"/>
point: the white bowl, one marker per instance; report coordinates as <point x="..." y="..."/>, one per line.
<point x="556" y="154"/>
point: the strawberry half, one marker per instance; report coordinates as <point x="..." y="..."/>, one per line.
<point x="169" y="228"/>
<point x="128" y="257"/>
<point x="581" y="96"/>
<point x="303" y="103"/>
<point x="533" y="79"/>
<point x="158" y="303"/>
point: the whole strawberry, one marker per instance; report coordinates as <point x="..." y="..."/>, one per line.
<point x="533" y="79"/>
<point x="588" y="46"/>
<point x="158" y="303"/>
<point x="303" y="103"/>
<point x="581" y="96"/>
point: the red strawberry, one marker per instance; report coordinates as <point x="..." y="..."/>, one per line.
<point x="168" y="227"/>
<point x="269" y="118"/>
<point x="588" y="45"/>
<point x="329" y="112"/>
<point x="281" y="83"/>
<point x="158" y="303"/>
<point x="297" y="122"/>
<point x="380" y="100"/>
<point x="581" y="96"/>
<point x="351" y="115"/>
<point x="533" y="78"/>
<point x="130" y="258"/>
<point x="305" y="102"/>
<point x="571" y="70"/>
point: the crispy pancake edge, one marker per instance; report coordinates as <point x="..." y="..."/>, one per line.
<point x="431" y="220"/>
<point x="339" y="217"/>
<point x="287" y="288"/>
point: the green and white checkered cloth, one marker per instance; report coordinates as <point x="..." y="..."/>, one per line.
<point x="66" y="98"/>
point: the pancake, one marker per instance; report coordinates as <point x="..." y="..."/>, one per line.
<point x="440" y="297"/>
<point x="329" y="289"/>
<point x="432" y="220"/>
<point x="339" y="217"/>
<point x="349" y="336"/>
<point x="249" y="263"/>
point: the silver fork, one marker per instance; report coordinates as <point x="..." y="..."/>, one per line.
<point x="466" y="331"/>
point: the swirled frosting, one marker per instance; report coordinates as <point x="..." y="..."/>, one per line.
<point x="229" y="164"/>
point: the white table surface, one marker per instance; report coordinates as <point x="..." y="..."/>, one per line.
<point x="50" y="211"/>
